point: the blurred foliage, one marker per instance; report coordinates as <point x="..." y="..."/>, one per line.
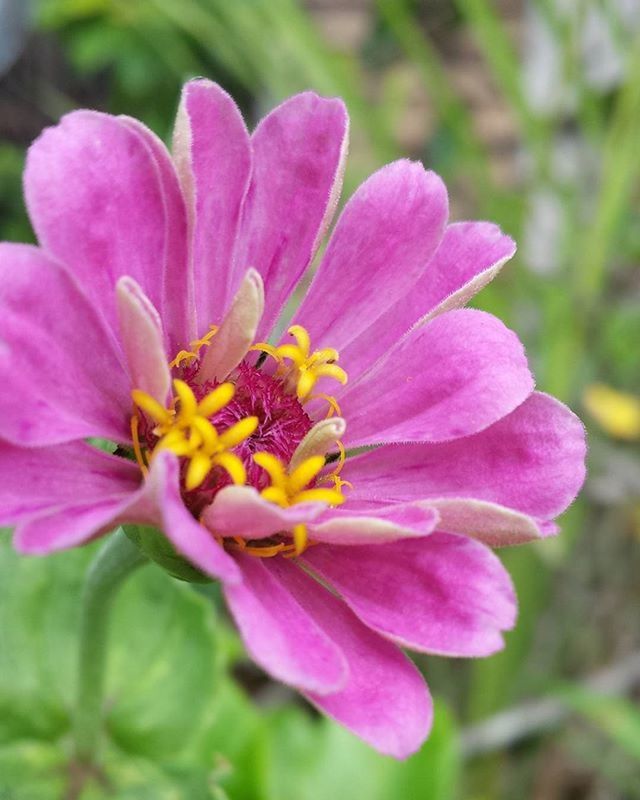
<point x="572" y="294"/>
<point x="176" y="727"/>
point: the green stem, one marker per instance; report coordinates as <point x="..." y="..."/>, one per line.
<point x="115" y="561"/>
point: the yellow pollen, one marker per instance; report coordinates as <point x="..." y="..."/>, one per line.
<point x="196" y="346"/>
<point x="290" y="488"/>
<point x="185" y="429"/>
<point x="305" y="367"/>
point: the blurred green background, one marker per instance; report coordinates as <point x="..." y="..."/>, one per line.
<point x="530" y="110"/>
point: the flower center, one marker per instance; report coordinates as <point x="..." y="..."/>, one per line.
<point x="245" y="431"/>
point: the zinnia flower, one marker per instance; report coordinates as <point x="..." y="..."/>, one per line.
<point x="342" y="480"/>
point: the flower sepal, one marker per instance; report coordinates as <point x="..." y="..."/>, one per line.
<point x="159" y="549"/>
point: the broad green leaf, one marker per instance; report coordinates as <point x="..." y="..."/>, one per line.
<point x="308" y="752"/>
<point x="163" y="670"/>
<point x="32" y="771"/>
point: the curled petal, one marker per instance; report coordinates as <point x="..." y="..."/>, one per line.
<point x="241" y="511"/>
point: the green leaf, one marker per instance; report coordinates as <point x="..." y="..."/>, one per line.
<point x="309" y="752"/>
<point x="163" y="670"/>
<point x="32" y="771"/>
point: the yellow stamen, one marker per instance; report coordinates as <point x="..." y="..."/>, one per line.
<point x="137" y="450"/>
<point x="217" y="399"/>
<point x="289" y="489"/>
<point x="300" y="538"/>
<point x="196" y="346"/>
<point x="186" y="430"/>
<point x="233" y="465"/>
<point x="198" y="469"/>
<point x="237" y="433"/>
<point x="151" y="407"/>
<point x="334" y="408"/>
<point x="306" y="367"/>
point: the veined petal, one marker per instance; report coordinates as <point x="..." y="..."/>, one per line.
<point x="60" y="370"/>
<point x="320" y="440"/>
<point x="469" y="256"/>
<point x="453" y="377"/>
<point x="237" y="333"/>
<point x="279" y="633"/>
<point x="241" y="511"/>
<point x="212" y="152"/>
<point x="142" y="341"/>
<point x="159" y="503"/>
<point x="37" y="480"/>
<point x="178" y="303"/>
<point x="382" y="243"/>
<point x="531" y="461"/>
<point x="388" y="524"/>
<point x="100" y="202"/>
<point x="441" y="594"/>
<point x="299" y="152"/>
<point x="69" y="526"/>
<point x="385" y="700"/>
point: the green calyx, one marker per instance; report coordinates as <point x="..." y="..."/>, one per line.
<point x="155" y="545"/>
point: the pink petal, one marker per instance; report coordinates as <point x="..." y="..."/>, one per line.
<point x="61" y="374"/>
<point x="159" y="503"/>
<point x="213" y="157"/>
<point x="385" y="701"/>
<point x="531" y="461"/>
<point x="299" y="151"/>
<point x="69" y="526"/>
<point x="142" y="341"/>
<point x="178" y="308"/>
<point x="237" y="332"/>
<point x="388" y="524"/>
<point x="241" y="511"/>
<point x="442" y="594"/>
<point x="34" y="480"/>
<point x="470" y="256"/>
<point x="452" y="377"/>
<point x="280" y="635"/>
<point x="490" y="523"/>
<point x="99" y="201"/>
<point x="382" y="243"/>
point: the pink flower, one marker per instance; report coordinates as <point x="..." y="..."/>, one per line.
<point x="144" y="317"/>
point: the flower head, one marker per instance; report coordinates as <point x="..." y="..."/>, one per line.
<point x="343" y="481"/>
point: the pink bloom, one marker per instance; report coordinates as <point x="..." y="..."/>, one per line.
<point x="144" y="318"/>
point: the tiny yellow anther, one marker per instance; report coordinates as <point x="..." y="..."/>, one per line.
<point x="217" y="399"/>
<point x="273" y="466"/>
<point x="306" y="381"/>
<point x="188" y="402"/>
<point x="290" y="489"/>
<point x="233" y="465"/>
<point x="301" y="336"/>
<point x="190" y="434"/>
<point x="305" y="473"/>
<point x="198" y="469"/>
<point x="209" y="438"/>
<point x="306" y="367"/>
<point x="331" y="371"/>
<point x="274" y="494"/>
<point x="239" y="432"/>
<point x="151" y="407"/>
<point x="330" y="496"/>
<point x="300" y="538"/>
